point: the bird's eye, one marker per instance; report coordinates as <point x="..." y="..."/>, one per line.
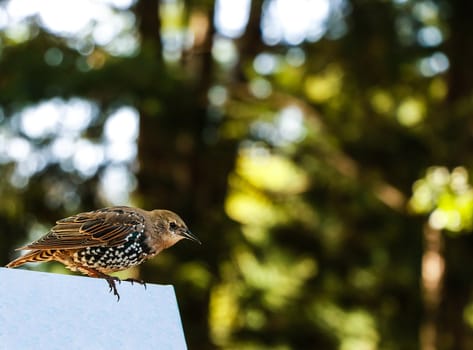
<point x="172" y="225"/>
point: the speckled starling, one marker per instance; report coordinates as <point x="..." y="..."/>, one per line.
<point x="100" y="242"/>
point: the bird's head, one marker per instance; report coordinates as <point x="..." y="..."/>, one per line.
<point x="170" y="227"/>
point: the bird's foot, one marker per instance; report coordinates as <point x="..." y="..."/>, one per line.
<point x="132" y="280"/>
<point x="110" y="279"/>
<point x="111" y="283"/>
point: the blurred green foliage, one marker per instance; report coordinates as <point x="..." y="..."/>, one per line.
<point x="307" y="162"/>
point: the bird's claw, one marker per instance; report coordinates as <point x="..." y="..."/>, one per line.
<point x="113" y="287"/>
<point x="132" y="280"/>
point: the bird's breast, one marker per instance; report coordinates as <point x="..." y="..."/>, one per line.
<point x="114" y="258"/>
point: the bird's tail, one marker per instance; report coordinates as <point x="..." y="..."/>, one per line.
<point x="33" y="256"/>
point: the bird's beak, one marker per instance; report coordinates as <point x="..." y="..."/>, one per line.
<point x="189" y="235"/>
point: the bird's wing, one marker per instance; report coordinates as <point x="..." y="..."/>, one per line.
<point x="105" y="227"/>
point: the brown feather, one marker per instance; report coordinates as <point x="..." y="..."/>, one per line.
<point x="97" y="228"/>
<point x="34" y="256"/>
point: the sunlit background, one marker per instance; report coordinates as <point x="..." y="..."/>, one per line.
<point x="321" y="148"/>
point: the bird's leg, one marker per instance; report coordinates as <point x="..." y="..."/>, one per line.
<point x="132" y="280"/>
<point x="110" y="279"/>
<point x="111" y="283"/>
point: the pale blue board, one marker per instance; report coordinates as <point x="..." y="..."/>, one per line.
<point x="51" y="311"/>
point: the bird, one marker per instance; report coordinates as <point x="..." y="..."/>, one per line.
<point x="103" y="241"/>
